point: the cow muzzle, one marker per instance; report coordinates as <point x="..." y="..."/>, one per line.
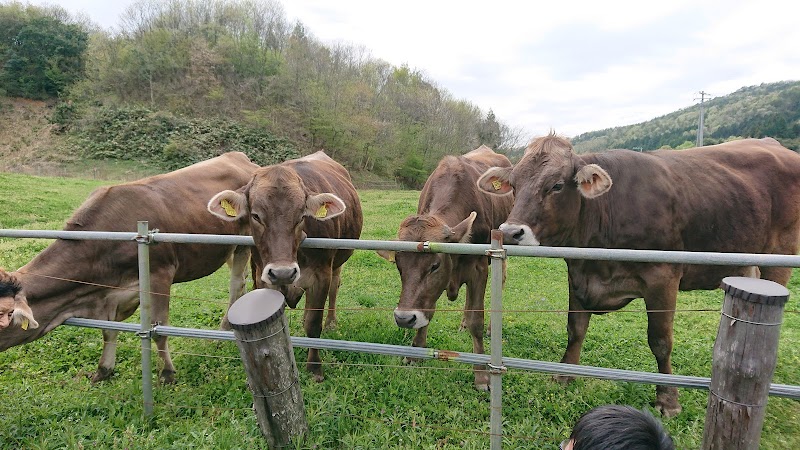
<point x="280" y="275"/>
<point x="515" y="234"/>
<point x="410" y="319"/>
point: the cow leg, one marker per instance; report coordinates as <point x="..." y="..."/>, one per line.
<point x="336" y="281"/>
<point x="120" y="304"/>
<point x="489" y="329"/>
<point x="256" y="268"/>
<point x="312" y="320"/>
<point x="786" y="244"/>
<point x="238" y="264"/>
<point x="105" y="368"/>
<point x="474" y="315"/>
<point x="779" y="275"/>
<point x="662" y="301"/>
<point x="464" y="318"/>
<point x="420" y="340"/>
<point x="160" y="286"/>
<point x="577" y="324"/>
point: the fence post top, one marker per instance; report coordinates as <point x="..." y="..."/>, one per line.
<point x="755" y="290"/>
<point x="255" y="307"/>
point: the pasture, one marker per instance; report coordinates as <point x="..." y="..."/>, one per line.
<point x="366" y="401"/>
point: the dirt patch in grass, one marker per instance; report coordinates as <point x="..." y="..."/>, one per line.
<point x="26" y="134"/>
<point x="30" y="144"/>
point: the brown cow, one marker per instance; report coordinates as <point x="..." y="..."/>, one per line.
<point x="107" y="271"/>
<point x="311" y="196"/>
<point x="451" y="209"/>
<point x="741" y="196"/>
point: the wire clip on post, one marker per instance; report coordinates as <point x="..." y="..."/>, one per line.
<point x="496" y="253"/>
<point x="497" y="370"/>
<point x="145" y="239"/>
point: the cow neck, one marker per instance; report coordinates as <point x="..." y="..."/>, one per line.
<point x="47" y="275"/>
<point x="451" y="206"/>
<point x="51" y="299"/>
<point x="596" y="218"/>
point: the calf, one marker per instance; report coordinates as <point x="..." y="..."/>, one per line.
<point x="451" y="209"/>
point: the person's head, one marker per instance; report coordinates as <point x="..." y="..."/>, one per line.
<point x="13" y="305"/>
<point x="614" y="427"/>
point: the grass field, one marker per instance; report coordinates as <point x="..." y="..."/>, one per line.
<point x="367" y="401"/>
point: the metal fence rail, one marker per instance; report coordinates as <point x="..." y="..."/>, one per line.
<point x="495" y="362"/>
<point x="682" y="381"/>
<point x="600" y="254"/>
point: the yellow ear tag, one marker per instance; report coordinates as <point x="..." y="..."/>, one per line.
<point x="24" y="324"/>
<point x="226" y="205"/>
<point x="322" y="212"/>
<point x="497" y="184"/>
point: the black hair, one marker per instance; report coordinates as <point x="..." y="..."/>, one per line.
<point x="9" y="286"/>
<point x="615" y="427"/>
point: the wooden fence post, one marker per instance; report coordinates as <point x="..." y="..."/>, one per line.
<point x="745" y="354"/>
<point x="262" y="335"/>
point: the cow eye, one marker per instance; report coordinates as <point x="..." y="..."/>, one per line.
<point x="256" y="217"/>
<point x="558" y="187"/>
<point x="435" y="266"/>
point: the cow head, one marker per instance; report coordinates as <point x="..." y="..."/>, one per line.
<point x="14" y="307"/>
<point x="277" y="204"/>
<point x="424" y="276"/>
<point x="549" y="183"/>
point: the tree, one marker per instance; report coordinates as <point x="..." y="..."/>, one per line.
<point x="43" y="57"/>
<point x="489" y="133"/>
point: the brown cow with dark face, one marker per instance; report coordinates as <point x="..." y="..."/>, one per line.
<point x="741" y="196"/>
<point x="171" y="203"/>
<point x="311" y="196"/>
<point x="451" y="209"/>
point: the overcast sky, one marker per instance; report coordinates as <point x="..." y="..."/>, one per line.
<point x="571" y="65"/>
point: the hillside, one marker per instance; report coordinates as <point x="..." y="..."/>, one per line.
<point x="755" y="111"/>
<point x="181" y="81"/>
<point x="26" y="136"/>
<point x="30" y="143"/>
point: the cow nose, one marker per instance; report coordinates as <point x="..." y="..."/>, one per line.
<point x="512" y="234"/>
<point x="405" y="319"/>
<point x="282" y="275"/>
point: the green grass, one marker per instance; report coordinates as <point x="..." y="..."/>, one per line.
<point x="367" y="401"/>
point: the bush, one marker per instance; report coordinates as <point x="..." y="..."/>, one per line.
<point x="64" y="115"/>
<point x="412" y="173"/>
<point x="173" y="142"/>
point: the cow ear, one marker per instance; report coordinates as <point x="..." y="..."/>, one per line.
<point x="228" y="205"/>
<point x="22" y="315"/>
<point x="386" y="254"/>
<point x="324" y="206"/>
<point x="495" y="181"/>
<point x="463" y="231"/>
<point x="593" y="181"/>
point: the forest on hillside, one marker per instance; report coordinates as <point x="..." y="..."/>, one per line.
<point x="756" y="111"/>
<point x="179" y="80"/>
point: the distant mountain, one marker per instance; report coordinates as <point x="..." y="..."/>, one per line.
<point x="756" y="111"/>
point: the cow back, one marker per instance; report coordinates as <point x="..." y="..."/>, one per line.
<point x="741" y="196"/>
<point x="172" y="202"/>
<point x="451" y="193"/>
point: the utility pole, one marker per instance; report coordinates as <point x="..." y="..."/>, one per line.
<point x="700" y="125"/>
